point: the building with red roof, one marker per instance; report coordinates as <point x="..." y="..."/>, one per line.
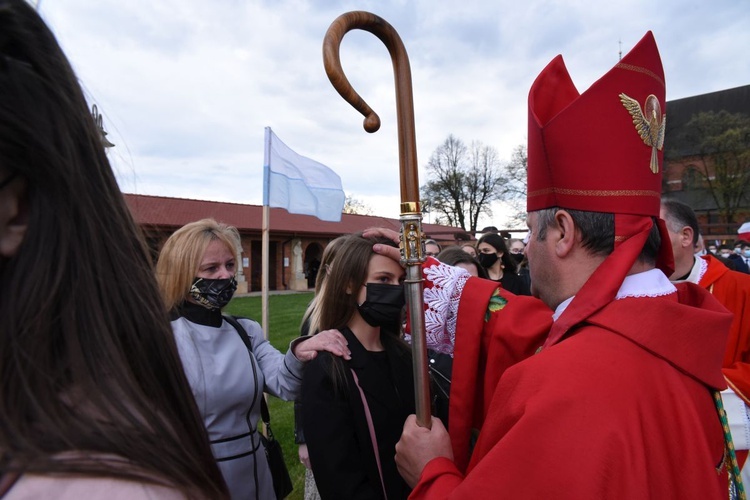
<point x="291" y="236"/>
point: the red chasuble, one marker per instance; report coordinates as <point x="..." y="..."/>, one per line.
<point x="620" y="408"/>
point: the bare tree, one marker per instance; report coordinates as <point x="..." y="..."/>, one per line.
<point x="444" y="190"/>
<point x="354" y="205"/>
<point x="463" y="182"/>
<point x="515" y="185"/>
<point x="483" y="181"/>
<point x="722" y="144"/>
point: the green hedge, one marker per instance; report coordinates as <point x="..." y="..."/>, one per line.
<point x="284" y="317"/>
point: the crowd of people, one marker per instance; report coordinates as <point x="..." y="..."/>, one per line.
<point x="734" y="255"/>
<point x="125" y="380"/>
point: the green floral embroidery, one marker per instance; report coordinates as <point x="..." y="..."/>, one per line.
<point x="496" y="303"/>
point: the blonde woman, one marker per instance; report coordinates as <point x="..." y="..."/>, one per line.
<point x="311" y="325"/>
<point x="196" y="273"/>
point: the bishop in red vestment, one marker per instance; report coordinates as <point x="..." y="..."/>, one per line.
<point x="617" y="399"/>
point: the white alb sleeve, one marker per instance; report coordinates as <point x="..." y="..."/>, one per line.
<point x="738" y="417"/>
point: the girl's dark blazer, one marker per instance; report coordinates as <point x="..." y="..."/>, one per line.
<point x="338" y="438"/>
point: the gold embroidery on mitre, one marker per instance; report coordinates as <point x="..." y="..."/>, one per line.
<point x="642" y="70"/>
<point x="649" y="125"/>
<point x="596" y="192"/>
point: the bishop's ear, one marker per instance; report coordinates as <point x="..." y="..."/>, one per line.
<point x="686" y="236"/>
<point x="14" y="216"/>
<point x="568" y="236"/>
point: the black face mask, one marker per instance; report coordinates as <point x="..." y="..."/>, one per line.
<point x="487" y="259"/>
<point x="213" y="294"/>
<point x="518" y="257"/>
<point x="383" y="304"/>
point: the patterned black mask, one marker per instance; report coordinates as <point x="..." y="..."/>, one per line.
<point x="213" y="294"/>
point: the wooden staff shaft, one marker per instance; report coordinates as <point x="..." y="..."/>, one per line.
<point x="412" y="239"/>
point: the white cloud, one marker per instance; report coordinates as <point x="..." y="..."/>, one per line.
<point x="187" y="86"/>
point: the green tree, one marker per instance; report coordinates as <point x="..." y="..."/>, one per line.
<point x="462" y="182"/>
<point x="722" y="142"/>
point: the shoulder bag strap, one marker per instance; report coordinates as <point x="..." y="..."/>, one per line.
<point x="264" y="413"/>
<point x="368" y="416"/>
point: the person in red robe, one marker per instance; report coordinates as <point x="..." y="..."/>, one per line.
<point x="732" y="289"/>
<point x="620" y="398"/>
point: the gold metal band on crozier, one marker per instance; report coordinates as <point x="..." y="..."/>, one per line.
<point x="410" y="207"/>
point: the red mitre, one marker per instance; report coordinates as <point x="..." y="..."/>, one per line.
<point x="585" y="152"/>
<point x="601" y="151"/>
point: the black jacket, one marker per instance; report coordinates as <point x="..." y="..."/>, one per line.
<point x="335" y="426"/>
<point x="514" y="283"/>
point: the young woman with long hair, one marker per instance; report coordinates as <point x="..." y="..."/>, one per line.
<point x="93" y="399"/>
<point x="363" y="297"/>
<point x="493" y="255"/>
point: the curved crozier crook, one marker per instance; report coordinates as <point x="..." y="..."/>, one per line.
<point x="332" y="62"/>
<point x="402" y="74"/>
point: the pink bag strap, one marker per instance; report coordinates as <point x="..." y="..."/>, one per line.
<point x="9" y="479"/>
<point x="368" y="415"/>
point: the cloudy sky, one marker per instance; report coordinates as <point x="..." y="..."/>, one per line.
<point x="187" y="86"/>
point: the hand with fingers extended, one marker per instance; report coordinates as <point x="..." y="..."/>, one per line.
<point x="329" y="340"/>
<point x="387" y="251"/>
<point x="381" y="232"/>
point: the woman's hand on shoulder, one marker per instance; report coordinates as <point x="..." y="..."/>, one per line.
<point x="328" y="340"/>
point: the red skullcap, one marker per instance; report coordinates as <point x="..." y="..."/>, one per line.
<point x="601" y="151"/>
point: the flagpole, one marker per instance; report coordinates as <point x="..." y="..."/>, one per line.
<point x="264" y="275"/>
<point x="265" y="233"/>
<point x="412" y="237"/>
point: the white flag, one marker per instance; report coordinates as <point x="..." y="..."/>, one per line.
<point x="299" y="184"/>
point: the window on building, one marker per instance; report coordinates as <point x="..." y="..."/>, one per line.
<point x="690" y="178"/>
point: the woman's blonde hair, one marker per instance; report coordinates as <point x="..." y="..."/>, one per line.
<point x="311" y="318"/>
<point x="181" y="256"/>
